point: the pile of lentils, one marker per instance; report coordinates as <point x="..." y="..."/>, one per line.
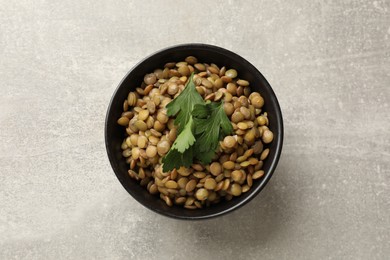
<point x="150" y="134"/>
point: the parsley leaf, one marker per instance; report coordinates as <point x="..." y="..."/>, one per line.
<point x="183" y="104"/>
<point x="181" y="152"/>
<point x="185" y="139"/>
<point x="211" y="125"/>
<point x="175" y="159"/>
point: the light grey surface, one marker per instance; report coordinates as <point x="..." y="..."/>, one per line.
<point x="328" y="62"/>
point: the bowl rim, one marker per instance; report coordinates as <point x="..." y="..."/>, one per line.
<point x="279" y="137"/>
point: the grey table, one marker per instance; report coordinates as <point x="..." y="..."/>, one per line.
<point x="328" y="62"/>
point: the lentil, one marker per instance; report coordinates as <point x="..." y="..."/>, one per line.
<point x="267" y="136"/>
<point x="132" y="99"/>
<point x="264" y="154"/>
<point x="171" y="184"/>
<point x="258" y="174"/>
<point x="190" y="186"/>
<point x="191" y="60"/>
<point x="229" y="165"/>
<point x="232" y="73"/>
<point x="229" y="141"/>
<point x="235" y="189"/>
<point x="123" y="121"/>
<point x="151" y="151"/>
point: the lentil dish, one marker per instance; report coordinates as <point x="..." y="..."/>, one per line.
<point x="150" y="133"/>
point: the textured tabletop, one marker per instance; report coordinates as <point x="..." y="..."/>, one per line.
<point x="327" y="61"/>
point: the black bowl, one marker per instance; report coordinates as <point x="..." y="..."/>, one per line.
<point x="114" y="134"/>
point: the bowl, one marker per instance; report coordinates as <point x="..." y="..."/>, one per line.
<point x="114" y="134"/>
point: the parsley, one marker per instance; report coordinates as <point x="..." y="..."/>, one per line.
<point x="183" y="104"/>
<point x="180" y="153"/>
<point x="211" y="125"/>
<point x="200" y="127"/>
<point x="175" y="159"/>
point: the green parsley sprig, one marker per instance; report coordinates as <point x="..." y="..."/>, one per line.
<point x="211" y="125"/>
<point x="201" y="125"/>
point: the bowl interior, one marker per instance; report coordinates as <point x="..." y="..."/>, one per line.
<point x="114" y="134"/>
